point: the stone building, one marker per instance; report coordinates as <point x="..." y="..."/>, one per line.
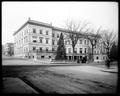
<point x="2" y="49"/>
<point x="9" y="49"/>
<point x="38" y="40"/>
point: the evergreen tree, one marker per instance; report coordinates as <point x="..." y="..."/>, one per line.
<point x="61" y="51"/>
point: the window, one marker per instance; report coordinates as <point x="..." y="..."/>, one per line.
<point x="75" y="50"/>
<point x="80" y="57"/>
<point x="69" y="50"/>
<point x="40" y="48"/>
<point x="80" y="41"/>
<point x="57" y="35"/>
<point x="34" y="48"/>
<point x="85" y="42"/>
<point x="53" y="42"/>
<point x="80" y="50"/>
<point x="53" y="35"/>
<point x="46" y="32"/>
<point x="24" y="40"/>
<point x="42" y="56"/>
<point x="34" y="40"/>
<point x="97" y="52"/>
<point x="97" y="57"/>
<point x="47" y="49"/>
<point x="53" y="49"/>
<point x="47" y="40"/>
<point x="40" y="31"/>
<point x="34" y="30"/>
<point x="85" y="50"/>
<point x="40" y="40"/>
<point x="104" y="58"/>
<point x="26" y="49"/>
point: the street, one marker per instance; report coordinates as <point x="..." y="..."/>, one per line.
<point x="68" y="79"/>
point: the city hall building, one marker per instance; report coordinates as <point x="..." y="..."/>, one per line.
<point x="38" y="40"/>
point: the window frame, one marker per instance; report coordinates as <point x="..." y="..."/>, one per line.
<point x="81" y="50"/>
<point x="34" y="30"/>
<point x="33" y="48"/>
<point x="47" y="32"/>
<point x="47" y="40"/>
<point x="80" y="41"/>
<point x="40" y="40"/>
<point x="40" y="49"/>
<point x="40" y="31"/>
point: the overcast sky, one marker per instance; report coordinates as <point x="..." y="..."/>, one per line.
<point x="15" y="14"/>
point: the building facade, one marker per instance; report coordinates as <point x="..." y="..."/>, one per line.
<point x="39" y="41"/>
<point x="2" y="49"/>
<point x="9" y="49"/>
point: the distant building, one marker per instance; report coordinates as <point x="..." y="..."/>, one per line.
<point x="39" y="40"/>
<point x="2" y="49"/>
<point x="9" y="49"/>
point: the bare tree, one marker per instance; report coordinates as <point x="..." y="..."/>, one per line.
<point x="93" y="38"/>
<point x="108" y="39"/>
<point x="75" y="31"/>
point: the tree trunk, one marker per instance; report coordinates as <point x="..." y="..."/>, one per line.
<point x="73" y="53"/>
<point x="92" y="54"/>
<point x="108" y="59"/>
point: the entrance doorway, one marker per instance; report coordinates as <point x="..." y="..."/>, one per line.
<point x="70" y="58"/>
<point x="75" y="58"/>
<point x="80" y="57"/>
<point x="86" y="58"/>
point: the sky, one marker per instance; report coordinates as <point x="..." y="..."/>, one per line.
<point x="15" y="14"/>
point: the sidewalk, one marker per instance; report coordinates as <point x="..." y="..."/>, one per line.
<point x="15" y="85"/>
<point x="52" y="62"/>
<point x="111" y="70"/>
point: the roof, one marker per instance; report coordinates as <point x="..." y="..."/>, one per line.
<point x="44" y="24"/>
<point x="20" y="28"/>
<point x="33" y="22"/>
<point x="9" y="43"/>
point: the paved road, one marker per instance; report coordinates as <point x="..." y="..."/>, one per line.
<point x="64" y="79"/>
